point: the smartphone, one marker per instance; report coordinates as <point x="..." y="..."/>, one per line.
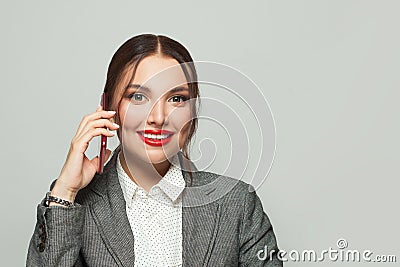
<point x="103" y="138"/>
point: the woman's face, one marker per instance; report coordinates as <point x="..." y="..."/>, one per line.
<point x="154" y="113"/>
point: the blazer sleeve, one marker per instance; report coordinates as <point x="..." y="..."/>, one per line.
<point x="257" y="238"/>
<point x="57" y="237"/>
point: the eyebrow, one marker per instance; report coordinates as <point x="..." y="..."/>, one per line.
<point x="147" y="89"/>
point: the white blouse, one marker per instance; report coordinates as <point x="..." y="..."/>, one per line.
<point x="156" y="219"/>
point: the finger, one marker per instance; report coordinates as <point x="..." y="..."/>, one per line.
<point x="94" y="116"/>
<point x="83" y="141"/>
<point x="95" y="161"/>
<point x="107" y="114"/>
<point x="100" y="123"/>
<point x="103" y="123"/>
<point x="90" y="163"/>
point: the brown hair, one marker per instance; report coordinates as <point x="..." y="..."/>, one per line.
<point x="123" y="65"/>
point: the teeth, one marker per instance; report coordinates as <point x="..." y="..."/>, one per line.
<point x="155" y="136"/>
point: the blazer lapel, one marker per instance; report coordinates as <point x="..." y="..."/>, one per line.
<point x="109" y="214"/>
<point x="200" y="219"/>
<point x="200" y="216"/>
<point x="199" y="230"/>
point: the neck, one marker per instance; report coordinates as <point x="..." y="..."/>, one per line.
<point x="144" y="174"/>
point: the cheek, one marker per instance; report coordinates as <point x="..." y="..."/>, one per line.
<point x="132" y="116"/>
<point x="180" y="119"/>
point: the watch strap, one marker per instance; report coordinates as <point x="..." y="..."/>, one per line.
<point x="63" y="202"/>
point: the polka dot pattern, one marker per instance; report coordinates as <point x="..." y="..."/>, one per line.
<point x="156" y="218"/>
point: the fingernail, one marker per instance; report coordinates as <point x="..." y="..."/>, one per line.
<point x="112" y="111"/>
<point x="116" y="125"/>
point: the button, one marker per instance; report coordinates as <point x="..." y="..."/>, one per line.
<point x="41" y="247"/>
<point x="42" y="237"/>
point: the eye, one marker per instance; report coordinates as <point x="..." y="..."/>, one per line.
<point x="137" y="97"/>
<point x="178" y="98"/>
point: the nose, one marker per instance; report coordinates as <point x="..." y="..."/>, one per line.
<point x="157" y="114"/>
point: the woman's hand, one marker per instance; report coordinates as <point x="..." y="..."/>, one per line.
<point x="78" y="170"/>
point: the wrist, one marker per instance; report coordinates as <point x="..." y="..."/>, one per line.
<point x="63" y="193"/>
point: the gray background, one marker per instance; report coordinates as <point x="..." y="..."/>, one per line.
<point x="329" y="70"/>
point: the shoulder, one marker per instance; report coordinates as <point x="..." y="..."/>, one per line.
<point x="223" y="188"/>
<point x="238" y="201"/>
<point x="206" y="177"/>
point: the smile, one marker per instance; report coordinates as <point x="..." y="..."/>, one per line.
<point x="155" y="137"/>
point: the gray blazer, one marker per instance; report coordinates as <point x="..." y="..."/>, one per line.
<point x="228" y="230"/>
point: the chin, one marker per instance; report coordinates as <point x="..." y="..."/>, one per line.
<point x="154" y="159"/>
<point x="155" y="156"/>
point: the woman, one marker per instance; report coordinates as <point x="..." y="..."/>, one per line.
<point x="143" y="210"/>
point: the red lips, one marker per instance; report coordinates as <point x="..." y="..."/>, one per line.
<point x="157" y="132"/>
<point x="155" y="142"/>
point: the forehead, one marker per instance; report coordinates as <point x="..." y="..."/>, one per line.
<point x="159" y="72"/>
